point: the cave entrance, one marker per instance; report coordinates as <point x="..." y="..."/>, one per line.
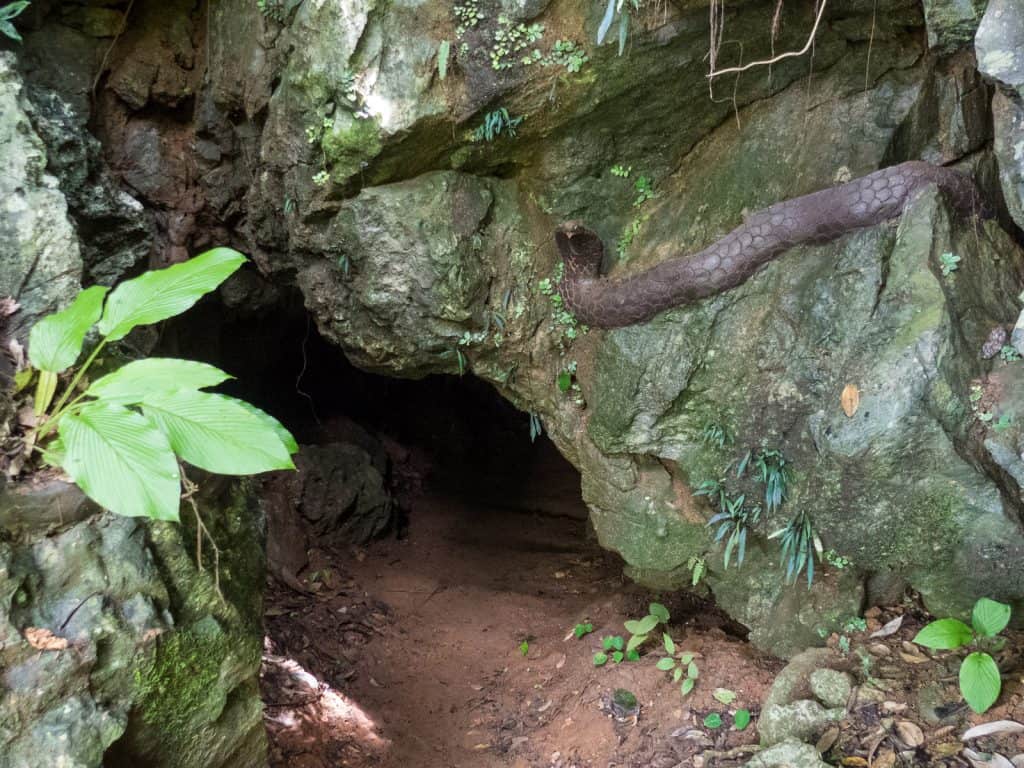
<point x="447" y="639"/>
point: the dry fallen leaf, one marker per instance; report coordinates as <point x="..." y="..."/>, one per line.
<point x="987" y="729"/>
<point x="910" y="733"/>
<point x="885" y="759"/>
<point x="890" y="628"/>
<point x="44" y="640"/>
<point x="850" y="399"/>
<point x="995" y="760"/>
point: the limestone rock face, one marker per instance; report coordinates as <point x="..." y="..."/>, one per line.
<point x="420" y="250"/>
<point x="116" y="649"/>
<point x="40" y="259"/>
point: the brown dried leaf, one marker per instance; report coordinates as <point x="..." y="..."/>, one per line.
<point x="44" y="640"/>
<point x="885" y="759"/>
<point x="910" y="734"/>
<point x="850" y="399"/>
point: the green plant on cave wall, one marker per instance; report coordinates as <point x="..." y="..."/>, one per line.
<point x="120" y="437"/>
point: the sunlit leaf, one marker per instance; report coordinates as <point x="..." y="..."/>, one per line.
<point x="979" y="681"/>
<point x="55" y="342"/>
<point x="163" y="293"/>
<point x="217" y="433"/>
<point x="132" y="382"/>
<point x="990" y="617"/>
<point x="944" y="634"/>
<point x="121" y="461"/>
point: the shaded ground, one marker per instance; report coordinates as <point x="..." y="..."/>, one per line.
<point x="420" y="642"/>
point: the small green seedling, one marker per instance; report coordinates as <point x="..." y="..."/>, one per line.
<point x="698" y="567"/>
<point x="612" y="647"/>
<point x="1009" y="354"/>
<point x="524" y="647"/>
<point x="980" y="683"/>
<point x="724" y="695"/>
<point x="741" y="719"/>
<point x="679" y="663"/>
<point x="712" y="721"/>
<point x="582" y="629"/>
<point x="640" y="629"/>
<point x="950" y="263"/>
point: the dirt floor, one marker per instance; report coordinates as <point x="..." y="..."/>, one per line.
<point x="454" y="646"/>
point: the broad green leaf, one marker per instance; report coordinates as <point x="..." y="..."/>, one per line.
<point x="55" y="342"/>
<point x="686" y="658"/>
<point x="216" y="433"/>
<point x="564" y="381"/>
<point x="11" y="10"/>
<point x="616" y="642"/>
<point x="283" y="434"/>
<point x="606" y="21"/>
<point x="724" y="695"/>
<point x="632" y="655"/>
<point x="643" y="626"/>
<point x="635" y="642"/>
<point x="687" y="685"/>
<point x="979" y="681"/>
<point x="714" y="720"/>
<point x="46" y="388"/>
<point x="944" y="634"/>
<point x="741" y="719"/>
<point x="677" y="673"/>
<point x="660" y="611"/>
<point x="670" y="647"/>
<point x="990" y="617"/>
<point x="691" y="671"/>
<point x="8" y="29"/>
<point x="623" y="31"/>
<point x="163" y="293"/>
<point x="666" y="664"/>
<point x="133" y="382"/>
<point x="121" y="461"/>
<point x="617" y="656"/>
<point x="443" y="51"/>
<point x="600" y="659"/>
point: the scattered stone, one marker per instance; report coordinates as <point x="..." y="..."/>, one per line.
<point x="802" y="720"/>
<point x="997" y="339"/>
<point x="789" y="754"/>
<point x="831" y="687"/>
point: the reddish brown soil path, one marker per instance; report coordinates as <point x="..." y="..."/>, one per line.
<point x="420" y="642"/>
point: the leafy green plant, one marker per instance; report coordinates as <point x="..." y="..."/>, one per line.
<point x="443" y="52"/>
<point x="582" y="629"/>
<point x="698" y="568"/>
<point x="640" y="629"/>
<point x="9" y="12"/>
<point x="773" y="472"/>
<point x="120" y="437"/>
<point x="980" y="681"/>
<point x="713" y="721"/>
<point x="1004" y="423"/>
<point x="1008" y="354"/>
<point x="679" y="663"/>
<point x="524" y="648"/>
<point x="536" y="427"/>
<point x="622" y="9"/>
<point x="741" y="719"/>
<point x="733" y="523"/>
<point x="613" y="647"/>
<point x="621" y="171"/>
<point x="568" y="54"/>
<point x="837" y="561"/>
<point x="495" y="123"/>
<point x="563" y="322"/>
<point x="949" y="263"/>
<point x="800" y="545"/>
<point x="716" y="434"/>
<point x="273" y="9"/>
